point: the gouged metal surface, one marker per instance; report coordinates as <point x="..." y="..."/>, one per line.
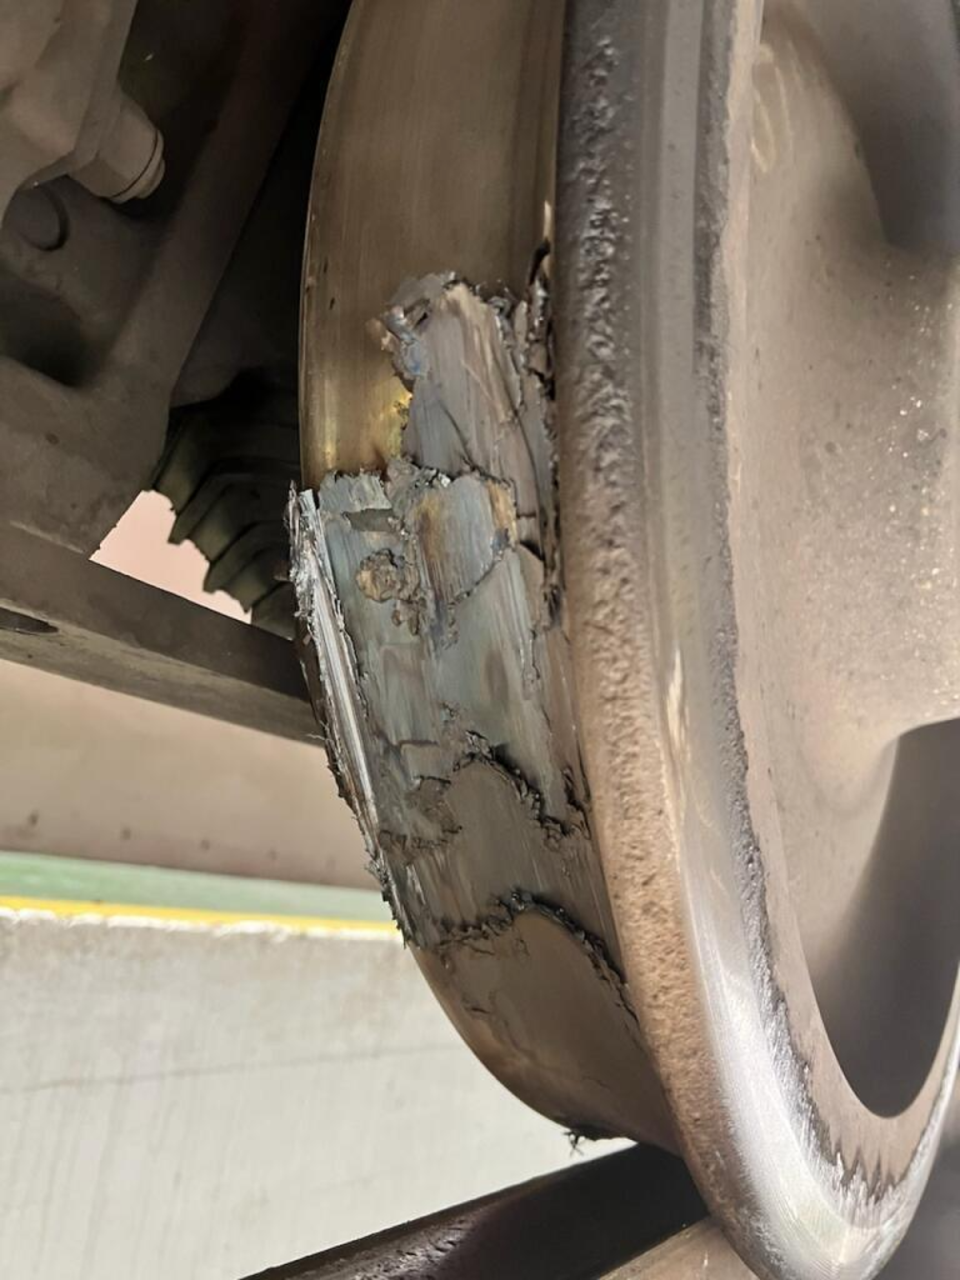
<point x="459" y="174"/>
<point x="432" y="597"/>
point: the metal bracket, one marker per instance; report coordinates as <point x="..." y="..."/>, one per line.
<point x="62" y="613"/>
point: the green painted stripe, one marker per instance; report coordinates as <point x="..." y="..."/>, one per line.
<point x="46" y="876"/>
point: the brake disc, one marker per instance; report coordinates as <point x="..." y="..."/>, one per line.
<point x="627" y="568"/>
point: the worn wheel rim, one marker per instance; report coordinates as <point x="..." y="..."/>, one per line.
<point x="806" y="1178"/>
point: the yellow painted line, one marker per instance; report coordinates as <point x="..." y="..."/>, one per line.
<point x="68" y="909"/>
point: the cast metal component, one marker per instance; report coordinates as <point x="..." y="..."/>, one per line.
<point x="62" y="110"/>
<point x="60" y="106"/>
<point x="757" y="567"/>
<point x="100" y="310"/>
<point x="62" y="613"/>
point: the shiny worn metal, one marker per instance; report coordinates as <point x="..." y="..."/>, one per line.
<point x="753" y="599"/>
